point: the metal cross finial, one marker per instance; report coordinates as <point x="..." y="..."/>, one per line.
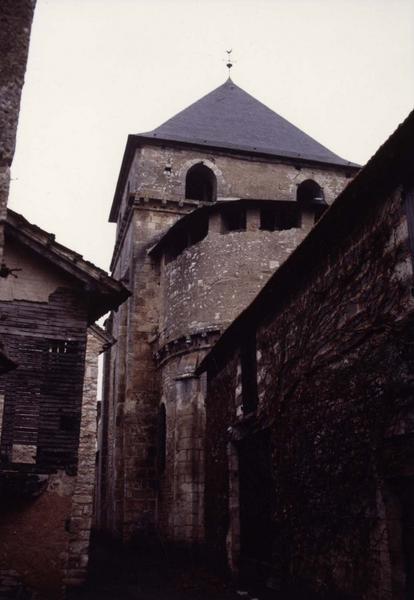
<point x="229" y="61"/>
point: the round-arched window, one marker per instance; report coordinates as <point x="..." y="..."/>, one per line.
<point x="309" y="193"/>
<point x="200" y="183"/>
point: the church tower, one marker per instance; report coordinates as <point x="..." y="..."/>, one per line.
<point x="207" y="207"/>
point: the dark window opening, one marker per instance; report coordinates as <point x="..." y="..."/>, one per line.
<point x="311" y="198"/>
<point x="201" y="184"/>
<point x="183" y="239"/>
<point x="288" y="218"/>
<point x="162" y="439"/>
<point x="234" y="220"/>
<point x="268" y="219"/>
<point x="279" y="218"/>
<point x="249" y="374"/>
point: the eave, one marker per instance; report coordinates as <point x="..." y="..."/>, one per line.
<point x="103" y="293"/>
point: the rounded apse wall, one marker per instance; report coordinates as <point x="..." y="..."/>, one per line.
<point x="209" y="283"/>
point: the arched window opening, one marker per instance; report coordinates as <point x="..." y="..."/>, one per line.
<point x="310" y="194"/>
<point x="200" y="184"/>
<point x="162" y="438"/>
<point x="311" y="198"/>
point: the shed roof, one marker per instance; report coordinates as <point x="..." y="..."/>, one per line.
<point x="187" y="222"/>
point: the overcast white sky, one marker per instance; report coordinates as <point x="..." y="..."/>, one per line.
<point x="341" y="70"/>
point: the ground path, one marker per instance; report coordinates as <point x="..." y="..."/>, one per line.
<point x="195" y="584"/>
<point x="148" y="575"/>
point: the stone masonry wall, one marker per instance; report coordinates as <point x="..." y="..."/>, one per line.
<point x="334" y="370"/>
<point x="80" y="522"/>
<point x="203" y="290"/>
<point x="211" y="282"/>
<point x="181" y="484"/>
<point x="221" y="509"/>
<point x="16" y="20"/>
<point x="131" y="403"/>
<point x="160" y="172"/>
<point x="200" y="291"/>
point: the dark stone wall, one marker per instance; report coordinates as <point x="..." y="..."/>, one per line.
<point x="219" y="414"/>
<point x="15" y="23"/>
<point x="334" y="373"/>
<point x="334" y="364"/>
<point x="16" y="19"/>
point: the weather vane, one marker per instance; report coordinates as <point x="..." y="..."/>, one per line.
<point x="229" y="63"/>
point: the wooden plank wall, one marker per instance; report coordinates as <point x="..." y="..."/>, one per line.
<point x="43" y="395"/>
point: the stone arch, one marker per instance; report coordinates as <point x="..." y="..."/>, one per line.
<point x="201" y="183"/>
<point x="309" y="193"/>
<point x="220" y="184"/>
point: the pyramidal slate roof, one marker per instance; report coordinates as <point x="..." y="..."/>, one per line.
<point x="230" y="118"/>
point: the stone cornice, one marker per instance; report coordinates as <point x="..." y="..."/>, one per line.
<point x="185" y="344"/>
